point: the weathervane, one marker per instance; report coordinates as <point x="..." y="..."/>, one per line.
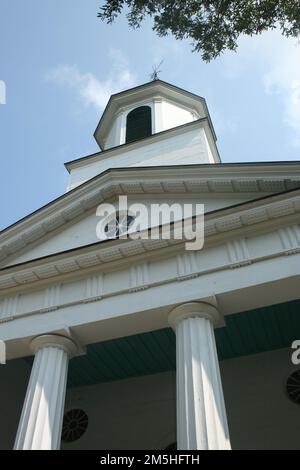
<point x="156" y="71"/>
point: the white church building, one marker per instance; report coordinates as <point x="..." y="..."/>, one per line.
<point x="136" y="343"/>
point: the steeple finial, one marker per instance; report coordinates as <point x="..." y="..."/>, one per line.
<point x="156" y="71"/>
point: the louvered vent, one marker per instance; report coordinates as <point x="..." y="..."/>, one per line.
<point x="74" y="425"/>
<point x="293" y="386"/>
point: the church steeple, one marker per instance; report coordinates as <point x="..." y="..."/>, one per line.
<point x="155" y="124"/>
<point x="146" y="110"/>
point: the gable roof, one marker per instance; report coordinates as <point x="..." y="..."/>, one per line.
<point x="237" y="178"/>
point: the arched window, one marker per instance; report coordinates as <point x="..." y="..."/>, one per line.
<point x="138" y="124"/>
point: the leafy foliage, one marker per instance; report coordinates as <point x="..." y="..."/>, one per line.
<point x="212" y="25"/>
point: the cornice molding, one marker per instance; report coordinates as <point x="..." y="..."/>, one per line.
<point x="136" y="181"/>
<point x="182" y="266"/>
<point x="219" y="229"/>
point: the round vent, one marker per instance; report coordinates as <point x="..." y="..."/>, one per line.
<point x="74" y="425"/>
<point x="118" y="225"/>
<point x="293" y="386"/>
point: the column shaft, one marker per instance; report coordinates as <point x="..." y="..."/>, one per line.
<point x="201" y="414"/>
<point x="41" y="419"/>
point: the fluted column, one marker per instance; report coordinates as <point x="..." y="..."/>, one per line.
<point x="201" y="414"/>
<point x="41" y="419"/>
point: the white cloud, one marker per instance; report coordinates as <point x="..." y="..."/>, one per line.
<point x="276" y="60"/>
<point x="91" y="90"/>
<point x="283" y="79"/>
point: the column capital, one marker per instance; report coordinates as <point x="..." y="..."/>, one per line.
<point x="194" y="310"/>
<point x="57" y="341"/>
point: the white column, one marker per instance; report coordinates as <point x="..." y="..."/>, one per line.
<point x="157" y="124"/>
<point x="201" y="414"/>
<point x="41" y="419"/>
<point x="120" y="131"/>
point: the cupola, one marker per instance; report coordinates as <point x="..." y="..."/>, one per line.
<point x="145" y="110"/>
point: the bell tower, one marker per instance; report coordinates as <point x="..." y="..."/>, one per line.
<point x="146" y="110"/>
<point x="155" y="124"/>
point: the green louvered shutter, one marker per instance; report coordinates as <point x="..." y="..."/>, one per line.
<point x="138" y="124"/>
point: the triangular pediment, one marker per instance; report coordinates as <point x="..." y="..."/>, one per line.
<point x="70" y="222"/>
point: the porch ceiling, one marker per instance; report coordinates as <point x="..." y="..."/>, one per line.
<point x="250" y="332"/>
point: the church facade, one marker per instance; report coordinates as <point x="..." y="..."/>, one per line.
<point x="127" y="342"/>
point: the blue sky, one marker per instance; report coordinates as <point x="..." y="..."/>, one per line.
<point x="60" y="64"/>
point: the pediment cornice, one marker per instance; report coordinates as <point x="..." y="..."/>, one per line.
<point x="186" y="179"/>
<point x="266" y="214"/>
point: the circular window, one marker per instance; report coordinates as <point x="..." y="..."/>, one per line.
<point x="293" y="386"/>
<point x="118" y="225"/>
<point x="74" y="425"/>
